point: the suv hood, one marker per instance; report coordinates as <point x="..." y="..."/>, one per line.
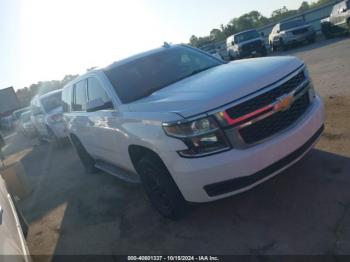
<point x="217" y="86"/>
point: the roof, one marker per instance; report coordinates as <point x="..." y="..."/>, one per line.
<point x="50" y="93"/>
<point x="246" y="31"/>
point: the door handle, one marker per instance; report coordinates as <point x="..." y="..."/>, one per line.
<point x="1" y="213"/>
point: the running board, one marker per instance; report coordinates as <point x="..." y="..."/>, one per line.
<point x="118" y="172"/>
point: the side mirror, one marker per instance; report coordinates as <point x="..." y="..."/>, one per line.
<point x="278" y="31"/>
<point x="233" y="42"/>
<point x="98" y="104"/>
<point x="342" y="10"/>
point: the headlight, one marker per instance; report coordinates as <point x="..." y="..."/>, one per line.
<point x="202" y="137"/>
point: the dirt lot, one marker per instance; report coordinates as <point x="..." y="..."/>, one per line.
<point x="304" y="210"/>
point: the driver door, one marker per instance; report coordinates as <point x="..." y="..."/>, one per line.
<point x="108" y="139"/>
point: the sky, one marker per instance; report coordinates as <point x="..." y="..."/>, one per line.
<point x="43" y="40"/>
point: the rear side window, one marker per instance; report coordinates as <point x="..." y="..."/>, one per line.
<point x="95" y="90"/>
<point x="79" y="96"/>
<point x="66" y="99"/>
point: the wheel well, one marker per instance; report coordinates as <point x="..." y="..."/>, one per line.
<point x="136" y="152"/>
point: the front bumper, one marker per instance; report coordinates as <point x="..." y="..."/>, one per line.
<point x="297" y="38"/>
<point x="197" y="178"/>
<point x="258" y="51"/>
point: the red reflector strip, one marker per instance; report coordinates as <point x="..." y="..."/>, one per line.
<point x="233" y="121"/>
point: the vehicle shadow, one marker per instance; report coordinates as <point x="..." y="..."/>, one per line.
<point x="304" y="210"/>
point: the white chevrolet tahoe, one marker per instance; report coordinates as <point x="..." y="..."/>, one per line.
<point x="191" y="127"/>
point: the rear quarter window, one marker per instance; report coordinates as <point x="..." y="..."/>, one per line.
<point x="79" y="96"/>
<point x="67" y="99"/>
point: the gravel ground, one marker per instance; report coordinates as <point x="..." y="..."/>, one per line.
<point x="304" y="210"/>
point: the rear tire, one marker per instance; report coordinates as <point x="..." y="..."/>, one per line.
<point x="161" y="188"/>
<point x="87" y="161"/>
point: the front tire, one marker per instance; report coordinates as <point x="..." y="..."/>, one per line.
<point x="87" y="161"/>
<point x="161" y="188"/>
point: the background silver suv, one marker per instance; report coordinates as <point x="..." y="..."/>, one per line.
<point x="287" y="33"/>
<point x="47" y="116"/>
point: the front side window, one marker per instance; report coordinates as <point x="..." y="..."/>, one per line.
<point x="79" y="97"/>
<point x="143" y="76"/>
<point x="95" y="90"/>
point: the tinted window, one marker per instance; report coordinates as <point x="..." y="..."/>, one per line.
<point x="51" y="102"/>
<point x="95" y="90"/>
<point x="246" y="36"/>
<point x="66" y="98"/>
<point x="291" y="24"/>
<point x="143" y="76"/>
<point x="79" y="100"/>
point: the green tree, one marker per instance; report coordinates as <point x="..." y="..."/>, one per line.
<point x="304" y="6"/>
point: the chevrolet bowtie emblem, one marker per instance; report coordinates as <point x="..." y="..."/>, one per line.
<point x="284" y="102"/>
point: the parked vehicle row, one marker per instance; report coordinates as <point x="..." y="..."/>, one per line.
<point x="190" y="127"/>
<point x="43" y="118"/>
<point x="47" y="116"/>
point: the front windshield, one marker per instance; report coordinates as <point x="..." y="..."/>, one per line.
<point x="246" y="36"/>
<point x="143" y="76"/>
<point x="51" y="102"/>
<point x="291" y="24"/>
